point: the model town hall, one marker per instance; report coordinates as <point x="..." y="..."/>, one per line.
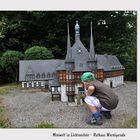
<point x="63" y="76"/>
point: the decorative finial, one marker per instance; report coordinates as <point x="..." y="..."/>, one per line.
<point x="77" y="31"/>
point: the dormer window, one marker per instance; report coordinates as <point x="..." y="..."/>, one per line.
<point x="38" y="76"/>
<point x="43" y="75"/>
<point x="81" y="65"/>
<point x="48" y="75"/>
<point x="29" y="74"/>
<point x="53" y="74"/>
<point x="91" y="66"/>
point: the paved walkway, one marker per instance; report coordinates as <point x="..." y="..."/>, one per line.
<point x="29" y="109"/>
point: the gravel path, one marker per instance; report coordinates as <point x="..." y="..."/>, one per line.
<point x="32" y="108"/>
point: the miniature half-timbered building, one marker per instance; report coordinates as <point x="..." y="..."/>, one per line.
<point x="63" y="76"/>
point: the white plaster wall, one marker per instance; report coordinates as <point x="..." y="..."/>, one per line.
<point x="116" y="81"/>
<point x="64" y="97"/>
<point x="33" y="84"/>
<point x="23" y="84"/>
<point x="76" y="88"/>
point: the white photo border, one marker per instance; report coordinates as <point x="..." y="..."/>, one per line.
<point x="93" y="5"/>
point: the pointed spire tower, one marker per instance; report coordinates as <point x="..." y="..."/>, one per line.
<point x="69" y="51"/>
<point x="92" y="50"/>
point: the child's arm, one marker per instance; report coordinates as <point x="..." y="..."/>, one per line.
<point x="90" y="90"/>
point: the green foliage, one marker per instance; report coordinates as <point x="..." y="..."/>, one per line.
<point x="2" y="109"/>
<point x="3" y="124"/>
<point x="131" y="123"/>
<point x="1" y="73"/>
<point x="42" y="125"/>
<point x="114" y="32"/>
<point x="10" y="64"/>
<point x="45" y="125"/>
<point x="4" y="89"/>
<point x="38" y="52"/>
<point x="2" y="27"/>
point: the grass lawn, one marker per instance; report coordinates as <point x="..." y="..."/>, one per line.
<point x="131" y="123"/>
<point x="129" y="82"/>
<point x="4" y="121"/>
<point x="41" y="125"/>
<point x="5" y="88"/>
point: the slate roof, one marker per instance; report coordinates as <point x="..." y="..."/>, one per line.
<point x="61" y="67"/>
<point x="80" y="56"/>
<point x="81" y="66"/>
<point x="108" y="63"/>
<point x="77" y="59"/>
<point x="79" y="52"/>
<point x="41" y="69"/>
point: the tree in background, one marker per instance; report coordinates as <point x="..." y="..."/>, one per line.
<point x="2" y="27"/>
<point x="10" y="65"/>
<point x="114" y="33"/>
<point x="2" y="73"/>
<point x="38" y="52"/>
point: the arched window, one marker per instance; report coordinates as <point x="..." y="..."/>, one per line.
<point x="38" y="75"/>
<point x="29" y="74"/>
<point x="48" y="75"/>
<point x="43" y="75"/>
<point x="53" y="74"/>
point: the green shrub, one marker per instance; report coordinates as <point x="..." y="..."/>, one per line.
<point x="38" y="52"/>
<point x="42" y="125"/>
<point x="10" y="65"/>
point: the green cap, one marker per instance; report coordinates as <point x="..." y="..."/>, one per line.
<point x="87" y="76"/>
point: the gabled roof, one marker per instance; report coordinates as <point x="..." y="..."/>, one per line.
<point x="41" y="69"/>
<point x="108" y="63"/>
<point x="77" y="59"/>
<point x="61" y="66"/>
<point x="79" y="52"/>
